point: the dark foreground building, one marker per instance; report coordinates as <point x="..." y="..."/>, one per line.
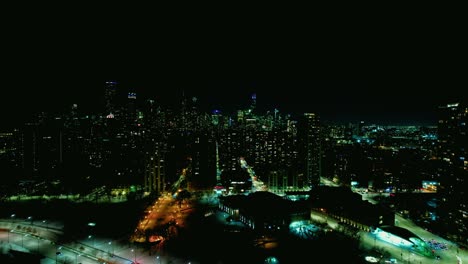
<point x="349" y="208"/>
<point x="262" y="211"/>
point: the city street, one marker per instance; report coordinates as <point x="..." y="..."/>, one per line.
<point x="41" y="236"/>
<point x="164" y="213"/>
<point x="368" y="242"/>
<point x="88" y="251"/>
<point x="452" y="254"/>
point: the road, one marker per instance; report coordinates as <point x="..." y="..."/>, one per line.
<point x="368" y="243"/>
<point x="40" y="235"/>
<point x="26" y="237"/>
<point x="166" y="215"/>
<point x="452" y="254"/>
<point x="92" y="250"/>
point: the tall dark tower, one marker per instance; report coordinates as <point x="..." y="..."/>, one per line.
<point x="452" y="149"/>
<point x="31" y="144"/>
<point x="131" y="112"/>
<point x="310" y="150"/>
<point x="360" y="129"/>
<point x="110" y="97"/>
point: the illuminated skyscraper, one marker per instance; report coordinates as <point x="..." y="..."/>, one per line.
<point x="310" y="150"/>
<point x="452" y="133"/>
<point x="11" y="147"/>
<point x="155" y="169"/>
<point x="453" y="149"/>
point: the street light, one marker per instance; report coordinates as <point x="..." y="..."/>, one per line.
<point x="91" y="237"/>
<point x="76" y="258"/>
<point x="134" y="255"/>
<point x="12" y="216"/>
<point x="57" y="253"/>
<point x="111" y="246"/>
<point x="92" y="225"/>
<point x="22" y="240"/>
<point x="157" y="260"/>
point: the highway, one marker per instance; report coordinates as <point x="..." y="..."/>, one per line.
<point x="39" y="239"/>
<point x="91" y="250"/>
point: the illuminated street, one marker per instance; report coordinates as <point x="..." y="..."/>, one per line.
<point x="39" y="238"/>
<point x="167" y="215"/>
<point x="452" y="254"/>
<point x="368" y="242"/>
<point x="89" y="251"/>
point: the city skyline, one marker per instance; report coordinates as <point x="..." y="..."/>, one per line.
<point x="175" y="140"/>
<point x="335" y="100"/>
<point x="237" y="168"/>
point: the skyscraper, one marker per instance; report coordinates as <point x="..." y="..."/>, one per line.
<point x="452" y="133"/>
<point x="452" y="149"/>
<point x="110" y="97"/>
<point x="310" y="150"/>
<point x="155" y="169"/>
<point x="31" y="142"/>
<point x="131" y="111"/>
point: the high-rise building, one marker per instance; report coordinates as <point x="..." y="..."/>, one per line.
<point x="11" y="152"/>
<point x="202" y="151"/>
<point x="110" y="95"/>
<point x="131" y="112"/>
<point x="310" y="150"/>
<point x="31" y="141"/>
<point x="155" y="169"/>
<point x="230" y="149"/>
<point x="452" y="134"/>
<point x="452" y="149"/>
<point x="360" y="128"/>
